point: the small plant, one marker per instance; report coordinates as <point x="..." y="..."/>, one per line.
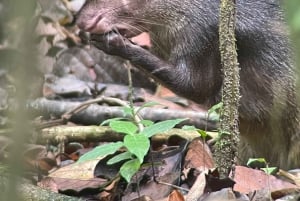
<point x="213" y="114"/>
<point x="136" y="140"/>
<point x="262" y="164"/>
<point x="203" y="134"/>
<point x="214" y="111"/>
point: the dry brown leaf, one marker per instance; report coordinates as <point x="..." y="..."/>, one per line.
<point x="143" y="198"/>
<point x="81" y="171"/>
<point x="155" y="190"/>
<point x="76" y="185"/>
<point x="225" y="194"/>
<point x="37" y="158"/>
<point x="175" y="196"/>
<point x="248" y="180"/>
<point x="198" y="156"/>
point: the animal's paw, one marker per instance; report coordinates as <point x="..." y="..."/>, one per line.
<point x="112" y="43"/>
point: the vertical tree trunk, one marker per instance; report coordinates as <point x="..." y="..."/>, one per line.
<point x="226" y="149"/>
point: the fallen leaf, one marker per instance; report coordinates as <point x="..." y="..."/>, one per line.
<point x="84" y="170"/>
<point x="76" y="185"/>
<point x="176" y="196"/>
<point x="198" y="156"/>
<point x="248" y="180"/>
<point x="225" y="194"/>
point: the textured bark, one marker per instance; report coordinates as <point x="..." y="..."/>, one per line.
<point x="226" y="149"/>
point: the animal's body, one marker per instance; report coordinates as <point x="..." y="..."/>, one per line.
<point x="185" y="57"/>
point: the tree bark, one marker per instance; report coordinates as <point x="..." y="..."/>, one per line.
<point x="226" y="149"/>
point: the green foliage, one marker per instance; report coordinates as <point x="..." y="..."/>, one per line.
<point x="256" y="160"/>
<point x="147" y="122"/>
<point x="106" y="122"/>
<point x="123" y="127"/>
<point x="270" y="170"/>
<point x="101" y="151"/>
<point x="262" y="164"/>
<point x="214" y="111"/>
<point x="128" y="111"/>
<point x="136" y="142"/>
<point x="138" y="145"/>
<point x="213" y="114"/>
<point x="129" y="168"/>
<point x="160" y="127"/>
<point x="202" y="133"/>
<point x="189" y="128"/>
<point x="120" y="157"/>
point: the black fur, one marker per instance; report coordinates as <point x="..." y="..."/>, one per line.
<point x="185" y="57"/>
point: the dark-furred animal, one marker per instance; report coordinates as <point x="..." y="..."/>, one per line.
<point x="185" y="58"/>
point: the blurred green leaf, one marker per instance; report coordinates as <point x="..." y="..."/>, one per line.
<point x="129" y="168"/>
<point x="101" y="151"/>
<point x="124" y="127"/>
<point x="120" y="157"/>
<point x="270" y="170"/>
<point x="147" y="122"/>
<point x="161" y="127"/>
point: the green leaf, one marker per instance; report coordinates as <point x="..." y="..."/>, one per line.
<point x="123" y="127"/>
<point x="189" y="128"/>
<point x="138" y="145"/>
<point x="129" y="168"/>
<point x="270" y="170"/>
<point x="110" y="120"/>
<point x="257" y="163"/>
<point x="161" y="127"/>
<point x="101" y="151"/>
<point x="202" y="133"/>
<point x="214" y="116"/>
<point x="120" y="157"/>
<point x="255" y="160"/>
<point x="215" y="108"/>
<point x="128" y="110"/>
<point x="146" y="122"/>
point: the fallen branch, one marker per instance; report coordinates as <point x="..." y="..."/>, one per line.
<point x="99" y="133"/>
<point x="96" y="114"/>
